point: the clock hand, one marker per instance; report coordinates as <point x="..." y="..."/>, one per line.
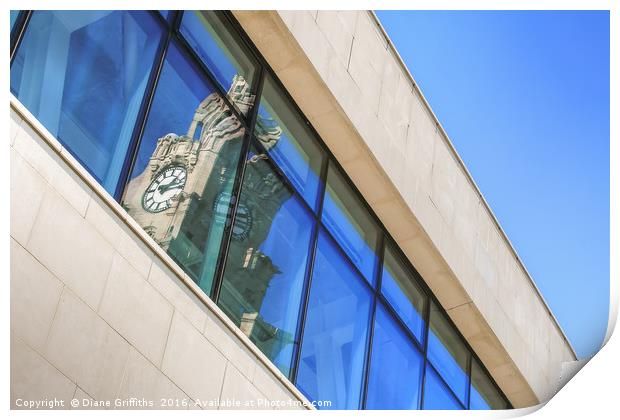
<point x="172" y="185"/>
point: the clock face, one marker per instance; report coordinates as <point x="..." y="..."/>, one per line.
<point x="167" y="185"/>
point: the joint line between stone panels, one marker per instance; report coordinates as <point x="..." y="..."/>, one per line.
<point x="107" y="279"/>
<point x="458" y="306"/>
<point x="49" y="331"/>
<point x="38" y="210"/>
<point x="223" y="380"/>
<point x="124" y="375"/>
<point x="350" y="53"/>
<point x="42" y="356"/>
<point x="163" y="355"/>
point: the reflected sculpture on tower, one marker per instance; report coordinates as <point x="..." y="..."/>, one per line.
<point x="182" y="199"/>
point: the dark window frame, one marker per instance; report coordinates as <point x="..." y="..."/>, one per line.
<point x="385" y="239"/>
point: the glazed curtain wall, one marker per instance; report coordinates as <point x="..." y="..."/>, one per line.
<point x="183" y="122"/>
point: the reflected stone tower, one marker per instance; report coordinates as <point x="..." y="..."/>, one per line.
<point x="182" y="198"/>
<point x="181" y="168"/>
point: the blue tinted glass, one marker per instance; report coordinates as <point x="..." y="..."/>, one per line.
<point x="166" y="14"/>
<point x="266" y="263"/>
<point x="14" y="14"/>
<point x="296" y="152"/>
<point x="477" y="401"/>
<point x="401" y="290"/>
<point x="448" y="353"/>
<point x="180" y="186"/>
<point x="436" y="394"/>
<point x="395" y="368"/>
<point x="484" y="394"/>
<point x="83" y="75"/>
<point x="334" y="341"/>
<point x="229" y="61"/>
<point x="350" y="223"/>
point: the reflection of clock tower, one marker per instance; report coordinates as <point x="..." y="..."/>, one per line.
<point x="186" y="172"/>
<point x="181" y="200"/>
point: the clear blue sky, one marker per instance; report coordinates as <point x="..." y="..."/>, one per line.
<point x="524" y="97"/>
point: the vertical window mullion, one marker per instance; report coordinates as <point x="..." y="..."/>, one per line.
<point x="145" y="107"/>
<point x="371" y="330"/>
<point x="427" y="317"/>
<point x="236" y="194"/>
<point x="175" y="23"/>
<point x="17" y="33"/>
<point x="304" y="303"/>
<point x="308" y="280"/>
<point x="468" y="396"/>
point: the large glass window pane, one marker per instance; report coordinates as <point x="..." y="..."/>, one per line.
<point x="437" y="396"/>
<point x="297" y="152"/>
<point x="180" y="186"/>
<point x="350" y="223"/>
<point x="400" y="288"/>
<point x="334" y="341"/>
<point x="448" y="353"/>
<point x="223" y="53"/>
<point x="267" y="261"/>
<point x="395" y="368"/>
<point x="83" y="75"/>
<point x="484" y="394"/>
<point x="14" y="14"/>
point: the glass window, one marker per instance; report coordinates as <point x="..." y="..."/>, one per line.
<point x="231" y="63"/>
<point x="297" y="152"/>
<point x="448" y="353"/>
<point x="83" y="75"/>
<point x="437" y="396"/>
<point x="350" y="223"/>
<point x="333" y="350"/>
<point x="166" y="14"/>
<point x="266" y="263"/>
<point x="14" y="14"/>
<point x="400" y="288"/>
<point x="180" y="185"/>
<point x="484" y="394"/>
<point x="395" y="368"/>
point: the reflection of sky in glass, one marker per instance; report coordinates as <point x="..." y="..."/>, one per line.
<point x="83" y="75"/>
<point x="287" y="244"/>
<point x="484" y="394"/>
<point x="179" y="92"/>
<point x="477" y="402"/>
<point x="291" y="157"/>
<point x="399" y="300"/>
<point x="352" y="235"/>
<point x="200" y="35"/>
<point x="333" y="350"/>
<point x="164" y="13"/>
<point x="436" y="395"/>
<point x="14" y="14"/>
<point x="396" y="367"/>
<point x="445" y="363"/>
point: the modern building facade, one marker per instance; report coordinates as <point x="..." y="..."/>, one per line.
<point x="252" y="210"/>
